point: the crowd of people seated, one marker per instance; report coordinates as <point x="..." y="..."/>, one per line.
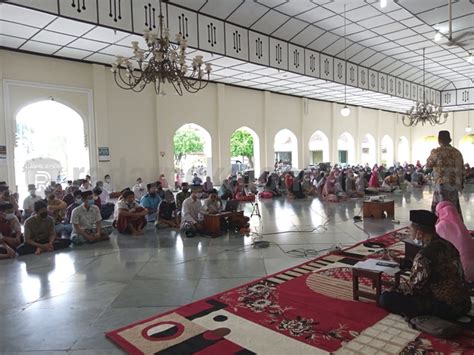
<point x="78" y="213"/>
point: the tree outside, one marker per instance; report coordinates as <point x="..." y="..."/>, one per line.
<point x="241" y="145"/>
<point x="186" y="142"/>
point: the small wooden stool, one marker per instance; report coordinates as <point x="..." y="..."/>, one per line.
<point x="377" y="282"/>
<point x="376" y="209"/>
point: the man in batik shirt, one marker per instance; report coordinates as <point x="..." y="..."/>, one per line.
<point x="436" y="283"/>
<point x="448" y="172"/>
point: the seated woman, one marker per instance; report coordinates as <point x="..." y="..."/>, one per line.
<point x="225" y="191"/>
<point x="208" y="186"/>
<point x="361" y="184"/>
<point x="329" y="189"/>
<point x="374" y="178"/>
<point x="436" y="284"/>
<point x="167" y="214"/>
<point x="351" y="184"/>
<point x="391" y="182"/>
<point x="131" y="217"/>
<point x="272" y="185"/>
<point x="297" y="187"/>
<point x="451" y="227"/>
<point x="10" y="228"/>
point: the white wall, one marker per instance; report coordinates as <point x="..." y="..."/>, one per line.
<point x="137" y="127"/>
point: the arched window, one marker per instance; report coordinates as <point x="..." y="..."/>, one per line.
<point x="286" y="148"/>
<point x="368" y="153"/>
<point x="345" y="149"/>
<point x="245" y="150"/>
<point x="319" y="148"/>
<point x="386" y="145"/>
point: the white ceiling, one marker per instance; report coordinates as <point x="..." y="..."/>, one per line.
<point x="382" y="39"/>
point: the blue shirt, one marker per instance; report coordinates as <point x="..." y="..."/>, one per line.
<point x="151" y="203"/>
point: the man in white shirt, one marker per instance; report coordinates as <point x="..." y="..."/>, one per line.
<point x="86" y="222"/>
<point x="139" y="190"/>
<point x="212" y="204"/>
<point x="190" y="221"/>
<point x="108" y="184"/>
<point x="29" y="202"/>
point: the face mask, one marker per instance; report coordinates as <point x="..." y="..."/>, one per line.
<point x="90" y="202"/>
<point x="78" y="201"/>
<point x="9" y="216"/>
<point x="44" y="214"/>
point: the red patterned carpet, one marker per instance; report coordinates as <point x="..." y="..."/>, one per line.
<point x="307" y="309"/>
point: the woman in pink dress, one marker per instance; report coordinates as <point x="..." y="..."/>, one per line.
<point x="450" y="227"/>
<point x="374" y="177"/>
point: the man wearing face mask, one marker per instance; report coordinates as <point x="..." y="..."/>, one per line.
<point x="139" y="190"/>
<point x="190" y="219"/>
<point x="39" y="233"/>
<point x="182" y="195"/>
<point x="436" y="284"/>
<point x="108" y="184"/>
<point x="151" y="201"/>
<point x="10" y="227"/>
<point x="67" y="220"/>
<point x="29" y="202"/>
<point x="130" y="215"/>
<point x="86" y="221"/>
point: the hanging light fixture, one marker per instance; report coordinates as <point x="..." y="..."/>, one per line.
<point x="424" y="112"/>
<point x="345" y="111"/>
<point x="161" y="63"/>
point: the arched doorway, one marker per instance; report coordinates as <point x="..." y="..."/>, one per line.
<point x="286" y="148"/>
<point x="466" y="146"/>
<point x="345" y="149"/>
<point x="386" y="150"/>
<point x="245" y="150"/>
<point x="368" y="153"/>
<point x="319" y="148"/>
<point x="403" y="150"/>
<point x="423" y="147"/>
<point x="50" y="145"/>
<point x="192" y="148"/>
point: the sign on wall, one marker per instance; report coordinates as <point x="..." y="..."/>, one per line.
<point x="104" y="154"/>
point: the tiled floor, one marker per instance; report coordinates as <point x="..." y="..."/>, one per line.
<point x="63" y="303"/>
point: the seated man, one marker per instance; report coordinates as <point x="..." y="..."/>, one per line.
<point x="6" y="252"/>
<point x="190" y="219"/>
<point x="139" y="190"/>
<point x="212" y="204"/>
<point x="436" y="284"/>
<point x="106" y="207"/>
<point x="69" y="197"/>
<point x="58" y="191"/>
<point x="208" y="186"/>
<point x="130" y="216"/>
<point x="96" y="192"/>
<point x="67" y="219"/>
<point x="182" y="195"/>
<point x="29" y="202"/>
<point x="167" y="216"/>
<point x="57" y="209"/>
<point x="151" y="201"/>
<point x="197" y="181"/>
<point x="39" y="233"/>
<point x="86" y="221"/>
<point x="10" y="228"/>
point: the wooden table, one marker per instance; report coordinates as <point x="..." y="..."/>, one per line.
<point x="212" y="222"/>
<point x="376" y="209"/>
<point x="377" y="282"/>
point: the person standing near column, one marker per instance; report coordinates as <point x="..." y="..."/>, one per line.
<point x="448" y="172"/>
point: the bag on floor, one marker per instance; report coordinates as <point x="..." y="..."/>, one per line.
<point x="265" y="194"/>
<point x="435" y="326"/>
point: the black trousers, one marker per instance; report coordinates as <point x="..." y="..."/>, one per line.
<point x="412" y="306"/>
<point x="58" y="244"/>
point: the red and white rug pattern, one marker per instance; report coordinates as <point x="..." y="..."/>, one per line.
<point x="307" y="309"/>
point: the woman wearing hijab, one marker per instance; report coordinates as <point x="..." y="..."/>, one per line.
<point x="451" y="228"/>
<point x="374" y="178"/>
<point x="329" y="189"/>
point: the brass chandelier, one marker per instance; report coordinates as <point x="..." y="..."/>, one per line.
<point x="424" y="112"/>
<point x="161" y="63"/>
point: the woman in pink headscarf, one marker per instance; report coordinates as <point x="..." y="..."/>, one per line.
<point x="451" y="228"/>
<point x="374" y="177"/>
<point x="329" y="189"/>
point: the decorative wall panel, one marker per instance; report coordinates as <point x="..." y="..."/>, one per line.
<point x="84" y="10"/>
<point x="236" y="42"/>
<point x="363" y="82"/>
<point x="278" y="54"/>
<point x="383" y="83"/>
<point x="352" y="74"/>
<point x="258" y="46"/>
<point x="296" y="59"/>
<point x="183" y="22"/>
<point x="339" y="71"/>
<point x="211" y="34"/>
<point x="312" y="66"/>
<point x="373" y="80"/>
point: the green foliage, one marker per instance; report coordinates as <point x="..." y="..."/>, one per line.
<point x="186" y="142"/>
<point x="241" y="145"/>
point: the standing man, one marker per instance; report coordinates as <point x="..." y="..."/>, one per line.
<point x="448" y="172"/>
